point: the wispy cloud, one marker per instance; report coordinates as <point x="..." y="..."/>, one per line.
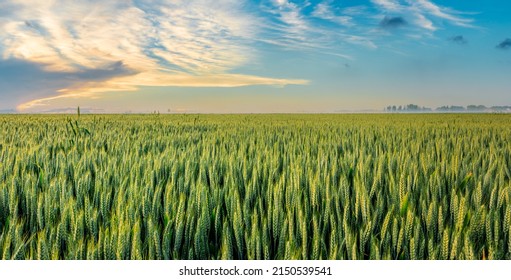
<point x="302" y="25"/>
<point x="287" y="25"/>
<point x="434" y="10"/>
<point x="423" y="13"/>
<point x="70" y="36"/>
<point x="362" y="24"/>
<point x="325" y="11"/>
<point x="93" y="89"/>
<point x="104" y="46"/>
<point x="423" y="22"/>
<point x="389" y="5"/>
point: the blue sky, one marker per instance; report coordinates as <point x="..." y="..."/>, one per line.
<point x="229" y="56"/>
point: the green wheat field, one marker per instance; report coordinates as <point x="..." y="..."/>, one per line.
<point x="395" y="186"/>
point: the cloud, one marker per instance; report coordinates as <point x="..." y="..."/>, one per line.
<point x="423" y="22"/>
<point x="325" y="11"/>
<point x="504" y="45"/>
<point x="389" y="5"/>
<point x="392" y="22"/>
<point x="355" y="10"/>
<point x="69" y="36"/>
<point x="68" y="48"/>
<point x="360" y="41"/>
<point x="321" y="27"/>
<point x="287" y="25"/>
<point x="432" y="9"/>
<point x="458" y="39"/>
<point x="93" y="89"/>
<point x="22" y="81"/>
<point x="423" y="13"/>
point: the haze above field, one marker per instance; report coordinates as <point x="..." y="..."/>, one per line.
<point x="228" y="56"/>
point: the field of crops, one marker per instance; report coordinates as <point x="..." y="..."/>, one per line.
<point x="255" y="187"/>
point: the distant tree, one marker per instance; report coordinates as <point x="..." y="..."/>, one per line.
<point x="394" y="108"/>
<point x="473" y="108"/>
<point x="451" y="109"/>
<point x="501" y="108"/>
<point x="412" y="107"/>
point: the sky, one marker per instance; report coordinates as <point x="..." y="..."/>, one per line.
<point x="259" y="56"/>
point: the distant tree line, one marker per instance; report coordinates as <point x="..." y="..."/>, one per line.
<point x="453" y="108"/>
<point x="407" y="108"/>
